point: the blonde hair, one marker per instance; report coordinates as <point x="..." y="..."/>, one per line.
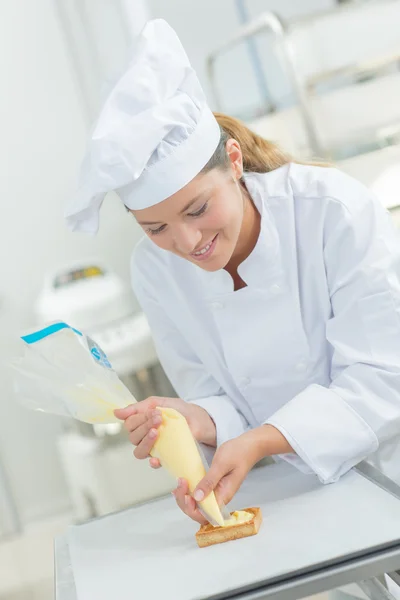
<point x="259" y="154"/>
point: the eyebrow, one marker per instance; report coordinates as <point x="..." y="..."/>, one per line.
<point x="184" y="209"/>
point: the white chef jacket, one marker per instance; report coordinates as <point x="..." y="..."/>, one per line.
<point x="312" y="344"/>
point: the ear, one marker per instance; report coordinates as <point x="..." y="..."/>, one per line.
<point x="234" y="153"/>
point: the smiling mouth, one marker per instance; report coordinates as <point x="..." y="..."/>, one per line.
<point x="205" y="250"/>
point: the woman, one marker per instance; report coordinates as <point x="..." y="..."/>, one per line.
<point x="271" y="288"/>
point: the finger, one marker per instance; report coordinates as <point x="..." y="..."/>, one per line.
<point x="192" y="511"/>
<point x="134" y="421"/>
<point x="143" y="449"/>
<point x="229" y="485"/>
<point x="149" y="404"/>
<point x="187" y="504"/>
<point x="155" y="463"/>
<point x="152" y="422"/>
<point x="124" y="413"/>
<point x="208" y="484"/>
<point x="180" y="492"/>
<point x="139" y="407"/>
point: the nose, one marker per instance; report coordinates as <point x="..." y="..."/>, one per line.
<point x="186" y="238"/>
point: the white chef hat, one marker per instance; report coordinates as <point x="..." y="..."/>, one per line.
<point x="154" y="134"/>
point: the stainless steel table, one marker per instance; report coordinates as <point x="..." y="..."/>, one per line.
<point x="314" y="538"/>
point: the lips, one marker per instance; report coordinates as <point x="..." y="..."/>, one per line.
<point x="205" y="251"/>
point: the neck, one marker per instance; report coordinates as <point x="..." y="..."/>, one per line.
<point x="249" y="233"/>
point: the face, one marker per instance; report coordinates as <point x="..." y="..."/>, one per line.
<point x="201" y="223"/>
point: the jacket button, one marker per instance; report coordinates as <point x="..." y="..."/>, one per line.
<point x="275" y="289"/>
<point x="301" y="367"/>
<point x="217" y="305"/>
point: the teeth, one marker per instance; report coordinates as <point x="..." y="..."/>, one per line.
<point x="203" y="251"/>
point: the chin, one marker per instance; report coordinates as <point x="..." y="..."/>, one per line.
<point x="210" y="268"/>
<point x="217" y="264"/>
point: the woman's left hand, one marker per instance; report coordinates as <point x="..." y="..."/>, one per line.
<point x="231" y="464"/>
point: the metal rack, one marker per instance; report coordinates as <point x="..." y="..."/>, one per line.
<point x="385" y="54"/>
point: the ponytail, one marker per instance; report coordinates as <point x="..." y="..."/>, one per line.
<point x="259" y="154"/>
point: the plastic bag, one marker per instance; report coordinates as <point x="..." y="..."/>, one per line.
<point x="64" y="372"/>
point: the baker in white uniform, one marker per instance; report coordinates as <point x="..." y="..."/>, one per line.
<point x="271" y="287"/>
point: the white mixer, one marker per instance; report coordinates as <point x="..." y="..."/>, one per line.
<point x="92" y="298"/>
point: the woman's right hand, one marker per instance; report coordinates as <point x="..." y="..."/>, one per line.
<point x="143" y="419"/>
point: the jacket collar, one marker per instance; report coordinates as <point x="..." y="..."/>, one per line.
<point x="263" y="267"/>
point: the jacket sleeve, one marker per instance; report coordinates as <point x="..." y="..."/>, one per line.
<point x="184" y="369"/>
<point x="333" y="428"/>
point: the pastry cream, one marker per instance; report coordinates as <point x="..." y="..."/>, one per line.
<point x="238" y="517"/>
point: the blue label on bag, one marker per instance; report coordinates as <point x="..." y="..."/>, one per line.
<point x="95" y="350"/>
<point x="98" y="353"/>
<point x="36" y="336"/>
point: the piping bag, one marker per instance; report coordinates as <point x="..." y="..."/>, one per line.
<point x="64" y="372"/>
<point x="182" y="456"/>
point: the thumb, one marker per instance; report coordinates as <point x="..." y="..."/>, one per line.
<point x="208" y="484"/>
<point x="124" y="413"/>
<point x="229" y="486"/>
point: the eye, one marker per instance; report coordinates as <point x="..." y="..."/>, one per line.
<point x="156" y="231"/>
<point x="200" y="211"/>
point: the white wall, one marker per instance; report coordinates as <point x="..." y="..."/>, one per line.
<point x="43" y="131"/>
<point x="203" y="26"/>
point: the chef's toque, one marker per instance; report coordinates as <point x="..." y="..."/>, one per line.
<point x="154" y="134"/>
